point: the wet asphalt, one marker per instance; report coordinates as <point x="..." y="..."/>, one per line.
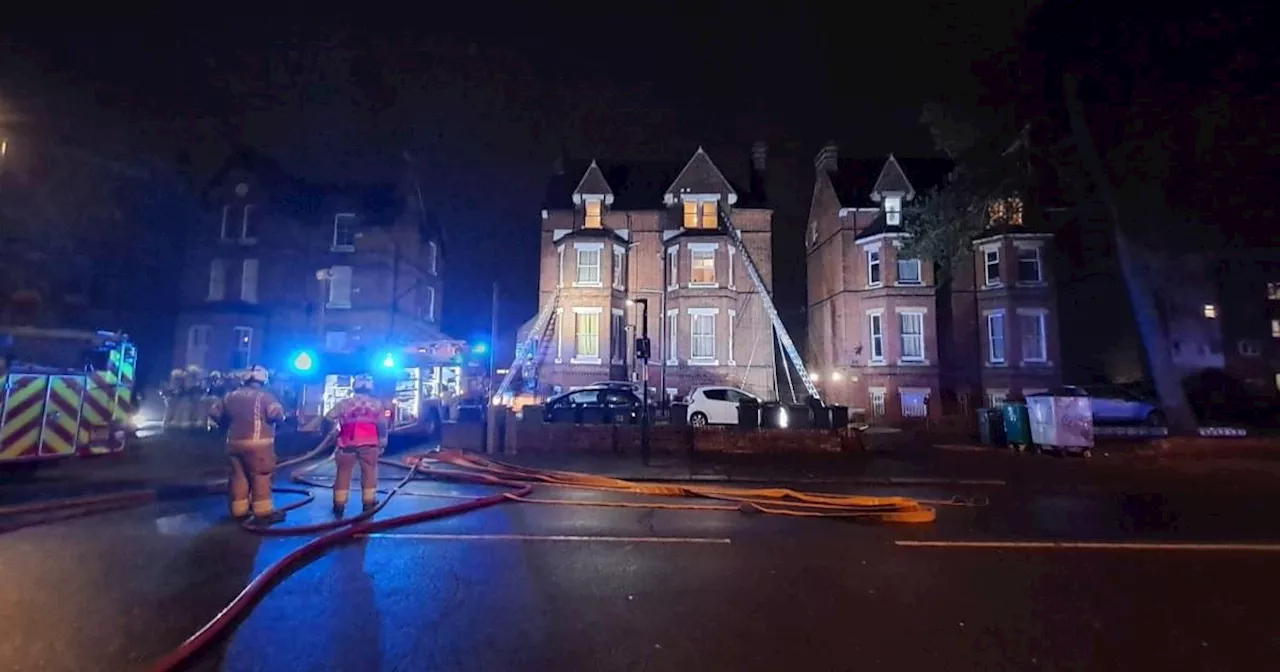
<point x="540" y="587"/>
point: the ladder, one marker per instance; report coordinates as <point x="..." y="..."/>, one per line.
<point x="788" y="346"/>
<point x="528" y="350"/>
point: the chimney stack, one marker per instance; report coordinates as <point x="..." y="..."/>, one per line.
<point x="826" y="159"/>
<point x="759" y="156"/>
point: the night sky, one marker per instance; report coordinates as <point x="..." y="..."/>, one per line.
<point x="488" y="101"/>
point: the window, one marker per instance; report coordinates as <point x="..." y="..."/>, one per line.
<point x="340" y="287"/>
<point x="909" y="272"/>
<point x="911" y="327"/>
<point x="430" y="308"/>
<point x="588" y="266"/>
<point x="241" y="356"/>
<point x="1029" y="264"/>
<point x="1033" y="342"/>
<point x="1275" y="328"/>
<point x="731" y="259"/>
<point x="873" y="268"/>
<point x="995" y="338"/>
<point x="344" y="232"/>
<point x="700" y="214"/>
<point x="673" y="277"/>
<point x="198" y="344"/>
<point x="702" y="267"/>
<point x="915" y="402"/>
<point x="249" y="225"/>
<point x="587" y="335"/>
<point x="593" y="218"/>
<point x="217" y="280"/>
<point x="560" y="266"/>
<point x="875" y="326"/>
<point x="619" y="268"/>
<point x="559" y="331"/>
<point x="702" y="328"/>
<point x="893" y="210"/>
<point x="997" y="398"/>
<point x="1210" y="311"/>
<point x="992" y="260"/>
<point x="618" y="338"/>
<point x="1273" y="291"/>
<point x="733" y="315"/>
<point x="672" y="336"/>
<point x="433" y="257"/>
<point x="335" y="341"/>
<point x="228" y="223"/>
<point x="249" y="281"/>
<point x="877" y="401"/>
<point x="1006" y="211"/>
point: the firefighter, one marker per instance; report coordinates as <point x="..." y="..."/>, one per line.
<point x="247" y="414"/>
<point x="214" y="390"/>
<point x="362" y="435"/>
<point x="170" y="392"/>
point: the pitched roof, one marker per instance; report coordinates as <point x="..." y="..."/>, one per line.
<point x="855" y="180"/>
<point x="639" y="185"/>
<point x="593" y="182"/>
<point x="700" y="176"/>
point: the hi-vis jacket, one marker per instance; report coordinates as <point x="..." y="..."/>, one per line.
<point x="247" y="414"/>
<point x="359" y="417"/>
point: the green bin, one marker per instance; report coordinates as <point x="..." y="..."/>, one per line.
<point x="1017" y="425"/>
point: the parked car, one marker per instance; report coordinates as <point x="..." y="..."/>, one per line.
<point x="715" y="405"/>
<point x="1115" y="405"/>
<point x="595" y="404"/>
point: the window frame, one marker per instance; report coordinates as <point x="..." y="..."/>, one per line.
<point x="875" y="337"/>
<point x="350" y="229"/>
<point x="243" y="338"/>
<point x="580" y="315"/>
<point x="249" y="281"/>
<point x="1042" y="325"/>
<point x="990" y="259"/>
<point x="581" y="249"/>
<point x="588" y="216"/>
<point x="903" y="334"/>
<point x="893" y="210"/>
<point x="703" y="253"/>
<point x="919" y="281"/>
<point x="619" y="267"/>
<point x="336" y="272"/>
<point x="991" y="338"/>
<point x="1037" y="258"/>
<point x="709" y="316"/>
<point x="673" y="337"/>
<point x="217" y="289"/>
<point x="206" y="330"/>
<point x="875" y="279"/>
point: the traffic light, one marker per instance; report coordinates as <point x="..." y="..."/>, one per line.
<point x="642" y="348"/>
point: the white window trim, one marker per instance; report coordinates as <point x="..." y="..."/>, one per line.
<point x="872" y="359"/>
<point x="733" y="318"/>
<point x="244" y="227"/>
<point x="923" y="359"/>
<point x="991" y="393"/>
<point x="1043" y="314"/>
<point x="924" y="392"/>
<point x="593" y="198"/>
<point x="578" y="249"/>
<point x="673" y="267"/>
<point x="702" y="312"/>
<point x="883" y="393"/>
<point x="334" y="246"/>
<point x="985" y="250"/>
<point x="893" y="216"/>
<point x="897" y="279"/>
<point x="1038" y="247"/>
<point x="580" y="310"/>
<point x="249" y="290"/>
<point x="700" y="199"/>
<point x="238" y="330"/>
<point x="559" y="335"/>
<point x="732" y="257"/>
<point x="672" y="343"/>
<point x="703" y="248"/>
<point x="622" y="350"/>
<point x="433" y="258"/>
<point x="878" y="249"/>
<point x="225" y="232"/>
<point x="619" y="267"/>
<point x="1004" y="337"/>
<point x="560" y="266"/>
<point x="431" y="303"/>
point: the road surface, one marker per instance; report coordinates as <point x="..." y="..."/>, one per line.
<point x="1181" y="580"/>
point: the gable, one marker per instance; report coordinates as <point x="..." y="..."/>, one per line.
<point x="700" y="176"/>
<point x="893" y="179"/>
<point x="594" y="184"/>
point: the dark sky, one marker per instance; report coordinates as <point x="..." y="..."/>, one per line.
<point x="488" y="99"/>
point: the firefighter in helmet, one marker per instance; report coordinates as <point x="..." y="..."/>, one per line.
<point x="248" y="415"/>
<point x="362" y="434"/>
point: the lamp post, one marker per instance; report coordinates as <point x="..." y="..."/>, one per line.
<point x="642" y="354"/>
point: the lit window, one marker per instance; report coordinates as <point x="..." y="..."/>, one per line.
<point x="991" y="258"/>
<point x="1275" y="328"/>
<point x="911" y="326"/>
<point x="1029" y="265"/>
<point x="875" y="329"/>
<point x="893" y="210"/>
<point x="593" y="219"/>
<point x="995" y="338"/>
<point x="873" y="268"/>
<point x="587" y="335"/>
<point x="1007" y="211"/>
<point x="1033" y="338"/>
<point x="700" y="214"/>
<point x="702" y="267"/>
<point x="703" y="330"/>
<point x="344" y="232"/>
<point x="1210" y="311"/>
<point x="914" y="403"/>
<point x="588" y="266"/>
<point x="241" y="357"/>
<point x="1273" y="291"/>
<point x="909" y="272"/>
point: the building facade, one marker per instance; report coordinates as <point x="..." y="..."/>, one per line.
<point x="278" y="264"/>
<point x="616" y="239"/>
<point x="885" y="335"/>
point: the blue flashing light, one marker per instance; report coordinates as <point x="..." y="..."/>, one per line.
<point x="479" y="349"/>
<point x="388" y="361"/>
<point x="303" y="361"/>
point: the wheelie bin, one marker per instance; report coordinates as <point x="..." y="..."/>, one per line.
<point x="990" y="427"/>
<point x="1017" y="426"/>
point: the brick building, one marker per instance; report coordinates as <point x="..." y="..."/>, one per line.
<point x="616" y="233"/>
<point x="279" y="264"/>
<point x="884" y="335"/>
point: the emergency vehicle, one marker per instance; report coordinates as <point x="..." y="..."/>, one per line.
<point x="64" y="393"/>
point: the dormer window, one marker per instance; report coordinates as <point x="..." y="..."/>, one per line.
<point x="893" y="210"/>
<point x="1006" y="211"/>
<point x="700" y="213"/>
<point x="594" y="214"/>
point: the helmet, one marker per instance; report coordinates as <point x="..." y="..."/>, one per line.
<point x="215" y="374"/>
<point x="176" y="373"/>
<point x="256" y="374"/>
<point x="193" y="369"/>
<point x="362" y="383"/>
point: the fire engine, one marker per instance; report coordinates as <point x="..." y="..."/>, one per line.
<point x="64" y="393"/>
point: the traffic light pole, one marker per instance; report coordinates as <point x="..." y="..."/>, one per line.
<point x="642" y="354"/>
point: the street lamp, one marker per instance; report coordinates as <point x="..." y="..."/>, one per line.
<point x="642" y="354"/>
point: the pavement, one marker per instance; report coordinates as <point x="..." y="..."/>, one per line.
<point x="1089" y="571"/>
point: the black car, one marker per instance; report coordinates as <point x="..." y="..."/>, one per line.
<point x="593" y="405"/>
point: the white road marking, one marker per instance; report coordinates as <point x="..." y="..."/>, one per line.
<point x="1097" y="545"/>
<point x="548" y="537"/>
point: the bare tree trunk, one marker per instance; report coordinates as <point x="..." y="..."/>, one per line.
<point x="1151" y="328"/>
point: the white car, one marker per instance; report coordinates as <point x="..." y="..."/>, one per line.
<point x="714" y="405"/>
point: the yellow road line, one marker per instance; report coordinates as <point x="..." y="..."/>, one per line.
<point x="548" y="537"/>
<point x="1096" y="545"/>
